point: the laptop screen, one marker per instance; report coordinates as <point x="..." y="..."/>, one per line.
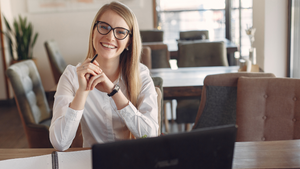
<point x="200" y="148"/>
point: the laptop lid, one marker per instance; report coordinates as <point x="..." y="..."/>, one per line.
<point x="200" y="148"/>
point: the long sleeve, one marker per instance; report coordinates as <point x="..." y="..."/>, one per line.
<point x="65" y="120"/>
<point x="143" y="120"/>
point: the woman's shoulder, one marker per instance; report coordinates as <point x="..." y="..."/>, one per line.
<point x="70" y="71"/>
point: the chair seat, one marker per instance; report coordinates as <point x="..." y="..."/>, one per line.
<point x="186" y="110"/>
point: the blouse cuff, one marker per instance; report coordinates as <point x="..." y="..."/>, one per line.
<point x="74" y="115"/>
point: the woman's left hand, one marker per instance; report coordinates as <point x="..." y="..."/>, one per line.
<point x="101" y="82"/>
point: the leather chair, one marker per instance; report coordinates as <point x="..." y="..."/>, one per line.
<point x="158" y="83"/>
<point x="197" y="54"/>
<point x="56" y="59"/>
<point x="160" y="54"/>
<point x="146" y="57"/>
<point x="31" y="102"/>
<point x="268" y="109"/>
<point x="160" y="57"/>
<point x="219" y="99"/>
<point x="201" y="53"/>
<point x="194" y="35"/>
<point x="152" y="35"/>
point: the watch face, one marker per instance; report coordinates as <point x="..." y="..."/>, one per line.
<point x="117" y="87"/>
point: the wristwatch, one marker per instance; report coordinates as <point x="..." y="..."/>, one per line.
<point x="115" y="90"/>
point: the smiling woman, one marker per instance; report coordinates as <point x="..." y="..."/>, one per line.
<point x="112" y="98"/>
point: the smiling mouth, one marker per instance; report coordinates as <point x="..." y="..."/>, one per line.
<point x="108" y="46"/>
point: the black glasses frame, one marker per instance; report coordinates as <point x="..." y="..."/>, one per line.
<point x="111" y="28"/>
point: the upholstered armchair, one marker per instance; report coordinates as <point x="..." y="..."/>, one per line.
<point x="152" y="35"/>
<point x="31" y="102"/>
<point x="197" y="54"/>
<point x="56" y="59"/>
<point x="268" y="109"/>
<point x="219" y="99"/>
<point x="194" y="35"/>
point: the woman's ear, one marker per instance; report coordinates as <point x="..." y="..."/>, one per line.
<point x="128" y="43"/>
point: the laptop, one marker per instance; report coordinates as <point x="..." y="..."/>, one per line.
<point x="200" y="148"/>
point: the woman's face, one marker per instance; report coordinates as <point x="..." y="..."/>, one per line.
<point x="107" y="46"/>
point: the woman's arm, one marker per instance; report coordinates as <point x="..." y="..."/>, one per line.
<point x="142" y="120"/>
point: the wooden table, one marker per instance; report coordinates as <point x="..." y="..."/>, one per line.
<point x="185" y="83"/>
<point x="268" y="154"/>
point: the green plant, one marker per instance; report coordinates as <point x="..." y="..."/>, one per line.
<point x="20" y="39"/>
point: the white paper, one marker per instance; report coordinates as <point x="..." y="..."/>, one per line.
<point x="75" y="159"/>
<point x="67" y="160"/>
<point x="37" y="162"/>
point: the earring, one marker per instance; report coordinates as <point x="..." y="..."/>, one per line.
<point x="127" y="48"/>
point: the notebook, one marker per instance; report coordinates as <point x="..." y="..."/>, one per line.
<point x="200" y="148"/>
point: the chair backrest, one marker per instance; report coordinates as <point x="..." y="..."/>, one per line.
<point x="201" y="53"/>
<point x="159" y="105"/>
<point x="146" y="57"/>
<point x="219" y="99"/>
<point x="160" y="54"/>
<point x="158" y="82"/>
<point x="268" y="109"/>
<point x="56" y="60"/>
<point x="31" y="101"/>
<point x="194" y="35"/>
<point x="152" y="35"/>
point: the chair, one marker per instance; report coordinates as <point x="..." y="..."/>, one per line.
<point x="160" y="54"/>
<point x="194" y="35"/>
<point x="31" y="102"/>
<point x="268" y="109"/>
<point x="160" y="57"/>
<point x="197" y="54"/>
<point x="218" y="99"/>
<point x="201" y="53"/>
<point x="146" y="57"/>
<point x="56" y="60"/>
<point x="152" y="35"/>
<point x="158" y="83"/>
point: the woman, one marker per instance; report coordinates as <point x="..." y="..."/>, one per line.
<point x="112" y="98"/>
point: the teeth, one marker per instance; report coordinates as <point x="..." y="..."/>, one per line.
<point x="108" y="46"/>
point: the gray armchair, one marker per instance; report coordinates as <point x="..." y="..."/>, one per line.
<point x="152" y="35"/>
<point x="197" y="54"/>
<point x="194" y="35"/>
<point x="219" y="99"/>
<point x="31" y="101"/>
<point x="56" y="60"/>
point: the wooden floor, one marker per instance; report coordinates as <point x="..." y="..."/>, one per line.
<point x="12" y="134"/>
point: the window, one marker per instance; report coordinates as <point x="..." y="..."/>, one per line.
<point x="177" y="15"/>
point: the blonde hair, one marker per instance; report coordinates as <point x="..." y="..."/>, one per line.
<point x="129" y="59"/>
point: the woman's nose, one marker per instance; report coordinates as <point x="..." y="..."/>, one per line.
<point x="110" y="35"/>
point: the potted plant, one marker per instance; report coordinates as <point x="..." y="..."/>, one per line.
<point x="21" y="39"/>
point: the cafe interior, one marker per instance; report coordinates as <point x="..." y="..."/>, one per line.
<point x="213" y="63"/>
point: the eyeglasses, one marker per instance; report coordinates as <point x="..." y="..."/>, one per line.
<point x="119" y="32"/>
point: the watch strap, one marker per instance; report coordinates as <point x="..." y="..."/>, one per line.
<point x="115" y="90"/>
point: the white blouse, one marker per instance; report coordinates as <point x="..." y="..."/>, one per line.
<point x="100" y="120"/>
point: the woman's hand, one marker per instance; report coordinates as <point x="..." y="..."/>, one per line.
<point x="85" y="71"/>
<point x="101" y="82"/>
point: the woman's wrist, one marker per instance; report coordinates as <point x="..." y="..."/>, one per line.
<point x="79" y="100"/>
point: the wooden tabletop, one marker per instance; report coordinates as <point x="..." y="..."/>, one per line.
<point x="263" y="154"/>
<point x="187" y="82"/>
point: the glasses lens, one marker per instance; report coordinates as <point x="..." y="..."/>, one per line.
<point x="120" y="33"/>
<point x="103" y="28"/>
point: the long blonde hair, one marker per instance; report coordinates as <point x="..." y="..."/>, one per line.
<point x="129" y="59"/>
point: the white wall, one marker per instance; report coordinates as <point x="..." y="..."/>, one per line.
<point x="270" y="18"/>
<point x="70" y="30"/>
